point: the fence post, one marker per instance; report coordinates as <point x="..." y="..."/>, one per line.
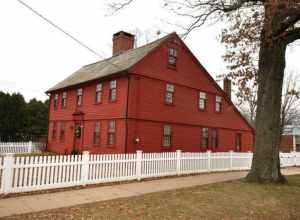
<point x="30" y="147"/>
<point x="208" y="160"/>
<point x="139" y="164"/>
<point x="294" y="158"/>
<point x="231" y="160"/>
<point x="85" y="167"/>
<point x="250" y="155"/>
<point x="178" y="162"/>
<point x="7" y="175"/>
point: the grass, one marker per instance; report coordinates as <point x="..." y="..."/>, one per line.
<point x="231" y="200"/>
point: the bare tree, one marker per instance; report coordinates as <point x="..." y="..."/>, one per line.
<point x="247" y="103"/>
<point x="290" y="101"/>
<point x="144" y="36"/>
<point x="241" y="40"/>
<point x="279" y="29"/>
<point x="290" y="107"/>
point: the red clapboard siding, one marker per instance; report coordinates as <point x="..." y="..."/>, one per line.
<point x="141" y="112"/>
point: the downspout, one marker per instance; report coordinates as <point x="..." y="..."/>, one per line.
<point x="48" y="130"/>
<point x="126" y="114"/>
<point x="294" y="140"/>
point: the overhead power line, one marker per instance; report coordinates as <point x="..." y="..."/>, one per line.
<point x="60" y="29"/>
<point x="65" y="32"/>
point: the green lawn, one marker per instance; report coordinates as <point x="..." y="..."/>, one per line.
<point x="231" y="200"/>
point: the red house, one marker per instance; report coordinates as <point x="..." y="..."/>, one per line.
<point x="155" y="98"/>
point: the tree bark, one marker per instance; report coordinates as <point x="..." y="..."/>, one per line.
<point x="266" y="163"/>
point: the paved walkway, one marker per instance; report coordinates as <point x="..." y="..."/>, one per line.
<point x="40" y="202"/>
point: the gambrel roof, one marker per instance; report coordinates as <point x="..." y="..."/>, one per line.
<point x="107" y="67"/>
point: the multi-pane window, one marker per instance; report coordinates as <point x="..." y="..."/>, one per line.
<point x="218" y="104"/>
<point x="55" y="101"/>
<point x="169" y="94"/>
<point x="214" y="138"/>
<point x="79" y="97"/>
<point x="98" y="93"/>
<point x="204" y="141"/>
<point x="172" y="56"/>
<point x="64" y="100"/>
<point x="167" y="137"/>
<point x="97" y="133"/>
<point x="238" y="142"/>
<point x="111" y="139"/>
<point x="297" y="143"/>
<point x="202" y="100"/>
<point x="113" y="90"/>
<point x="54" y="130"/>
<point x="62" y="132"/>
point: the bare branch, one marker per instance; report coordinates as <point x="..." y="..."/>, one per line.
<point x="288" y="17"/>
<point x="293" y="35"/>
<point x="117" y="6"/>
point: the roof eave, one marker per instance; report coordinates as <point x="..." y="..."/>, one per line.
<point x="119" y="73"/>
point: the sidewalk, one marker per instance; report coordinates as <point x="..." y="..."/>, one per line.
<point x="35" y="203"/>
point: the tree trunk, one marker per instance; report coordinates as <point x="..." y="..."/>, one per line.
<point x="266" y="163"/>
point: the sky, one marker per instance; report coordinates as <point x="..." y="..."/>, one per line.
<point x="34" y="56"/>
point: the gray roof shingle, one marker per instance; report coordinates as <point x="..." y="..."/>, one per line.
<point x="112" y="65"/>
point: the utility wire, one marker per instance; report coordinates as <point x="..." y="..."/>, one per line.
<point x="65" y="32"/>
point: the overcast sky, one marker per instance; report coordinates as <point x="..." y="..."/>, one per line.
<point x="35" y="56"/>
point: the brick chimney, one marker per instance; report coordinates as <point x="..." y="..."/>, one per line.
<point x="122" y="41"/>
<point x="227" y="87"/>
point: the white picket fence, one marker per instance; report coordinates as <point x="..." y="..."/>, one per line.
<point x="21" y="147"/>
<point x="23" y="174"/>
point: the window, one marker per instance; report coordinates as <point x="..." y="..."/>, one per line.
<point x="64" y="100"/>
<point x="218" y="104"/>
<point x="169" y="94"/>
<point x="167" y="137"/>
<point x="97" y="133"/>
<point x="113" y="90"/>
<point x="214" y="138"/>
<point x="297" y="143"/>
<point x="79" y="97"/>
<point x="55" y="101"/>
<point x="238" y="142"/>
<point x="202" y="100"/>
<point x="204" y="141"/>
<point x="111" y="140"/>
<point x="172" y="57"/>
<point x="54" y="130"/>
<point x="98" y="93"/>
<point x="62" y="132"/>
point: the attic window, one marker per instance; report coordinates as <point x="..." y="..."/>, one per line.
<point x="172" y="56"/>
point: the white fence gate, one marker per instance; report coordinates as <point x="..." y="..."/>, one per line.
<point x="21" y="147"/>
<point x="23" y="174"/>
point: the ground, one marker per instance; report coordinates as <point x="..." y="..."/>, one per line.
<point x="229" y="200"/>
